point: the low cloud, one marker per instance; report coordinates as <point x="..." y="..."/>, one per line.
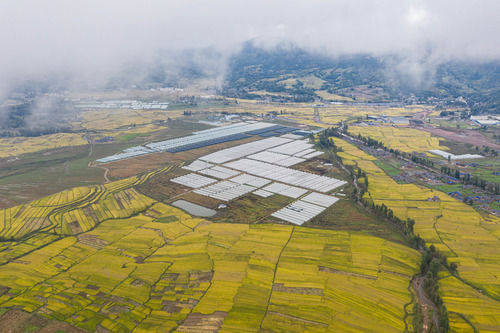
<point x="92" y="40"/>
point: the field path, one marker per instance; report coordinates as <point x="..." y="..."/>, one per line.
<point x="106" y="171"/>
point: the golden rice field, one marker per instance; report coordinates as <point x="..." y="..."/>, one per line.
<point x="334" y="113"/>
<point x="455" y="228"/>
<point x="76" y="210"/>
<point x="111" y="123"/>
<point x="23" y="145"/>
<point x="404" y="139"/>
<point x="122" y="118"/>
<point x="330" y="114"/>
<point x="163" y="270"/>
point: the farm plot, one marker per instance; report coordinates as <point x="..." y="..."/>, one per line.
<point x="456" y="229"/>
<point x="142" y="274"/>
<point x="403" y="139"/>
<point x="459" y="299"/>
<point x="76" y="210"/>
<point x="23" y="145"/>
<point x="122" y="118"/>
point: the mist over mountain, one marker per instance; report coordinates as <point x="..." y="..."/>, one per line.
<point x="383" y="51"/>
<point x="257" y="69"/>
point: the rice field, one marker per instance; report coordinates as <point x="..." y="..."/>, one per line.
<point x="76" y="210"/>
<point x="122" y="118"/>
<point x="456" y="229"/>
<point x="163" y="270"/>
<point x="403" y="139"/>
<point x="116" y="123"/>
<point x="330" y="114"/>
<point x="23" y="145"/>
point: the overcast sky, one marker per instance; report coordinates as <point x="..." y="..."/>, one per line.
<point x="91" y="37"/>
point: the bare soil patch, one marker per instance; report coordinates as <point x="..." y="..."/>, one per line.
<point x="297" y="290"/>
<point x="465" y="136"/>
<point x="197" y="322"/>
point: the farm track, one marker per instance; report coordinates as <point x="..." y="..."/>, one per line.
<point x="106" y="171"/>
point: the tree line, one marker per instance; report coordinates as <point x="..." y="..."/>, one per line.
<point x="467" y="178"/>
<point x="432" y="260"/>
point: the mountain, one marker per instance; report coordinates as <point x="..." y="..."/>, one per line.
<point x="294" y="74"/>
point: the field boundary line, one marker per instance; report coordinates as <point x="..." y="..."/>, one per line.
<point x="274" y="277"/>
<point x="466" y="320"/>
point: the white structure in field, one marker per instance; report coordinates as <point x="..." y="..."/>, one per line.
<point x="225" y="190"/>
<point x="196" y="140"/>
<point x="197" y="166"/>
<point x="193" y="180"/>
<point x="286" y="175"/>
<point x="262" y="193"/>
<point x="299" y="212"/>
<point x="219" y="172"/>
<point x="210" y="135"/>
<point x="320" y="199"/>
<point x="264" y="167"/>
<point x="486" y="120"/>
<point x="250" y="180"/>
<point x="123" y="104"/>
<point x="452" y="156"/>
<point x="293" y="147"/>
<point x="286" y="190"/>
<point x="233" y="153"/>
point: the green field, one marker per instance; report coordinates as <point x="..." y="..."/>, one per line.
<point x="388" y="168"/>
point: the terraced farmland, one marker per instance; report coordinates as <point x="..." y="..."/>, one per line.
<point x="456" y="229"/>
<point x="163" y="270"/>
<point x="25" y="228"/>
